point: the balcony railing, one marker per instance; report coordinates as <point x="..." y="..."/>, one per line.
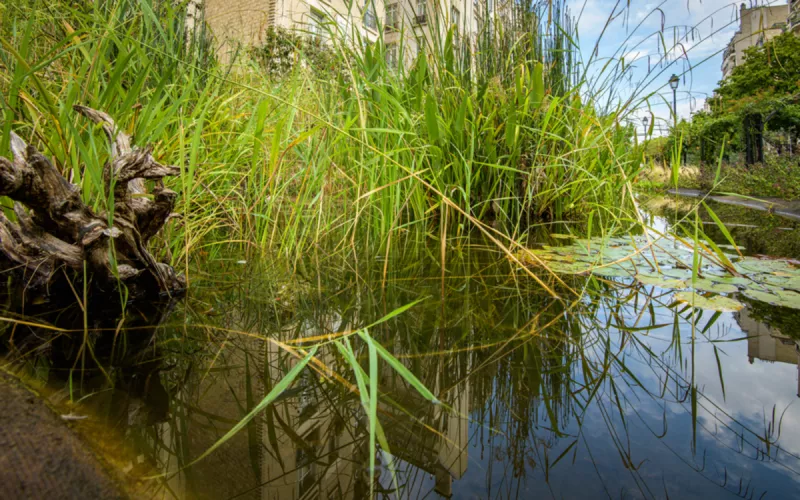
<point x="421" y="19"/>
<point x="727" y="52"/>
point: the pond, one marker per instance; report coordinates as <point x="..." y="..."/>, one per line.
<point x="622" y="392"/>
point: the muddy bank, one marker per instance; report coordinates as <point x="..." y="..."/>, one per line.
<point x="41" y="456"/>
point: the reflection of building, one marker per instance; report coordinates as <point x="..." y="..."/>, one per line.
<point x="302" y="446"/>
<point x="443" y="453"/>
<point x="312" y="442"/>
<point x="756" y="26"/>
<point x="767" y="343"/>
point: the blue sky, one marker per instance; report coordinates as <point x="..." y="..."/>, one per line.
<point x="714" y="22"/>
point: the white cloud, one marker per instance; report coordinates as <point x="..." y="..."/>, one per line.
<point x="703" y="29"/>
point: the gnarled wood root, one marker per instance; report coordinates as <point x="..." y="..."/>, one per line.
<point x="56" y="234"/>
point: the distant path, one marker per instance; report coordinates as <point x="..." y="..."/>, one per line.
<point x="784" y="208"/>
<point x="40" y="456"/>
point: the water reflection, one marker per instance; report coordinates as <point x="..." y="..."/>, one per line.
<point x="619" y="393"/>
<point x="758" y="233"/>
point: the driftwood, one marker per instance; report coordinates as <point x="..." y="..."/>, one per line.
<point x="57" y="236"/>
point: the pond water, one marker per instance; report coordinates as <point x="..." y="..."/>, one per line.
<point x="621" y="393"/>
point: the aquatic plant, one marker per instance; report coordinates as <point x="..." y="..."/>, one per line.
<point x="282" y="163"/>
<point x="702" y="273"/>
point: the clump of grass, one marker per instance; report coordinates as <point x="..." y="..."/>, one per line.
<point x="369" y="150"/>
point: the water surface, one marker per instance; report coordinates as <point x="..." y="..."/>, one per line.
<point x="620" y="393"/>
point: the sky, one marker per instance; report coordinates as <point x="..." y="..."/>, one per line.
<point x="704" y="29"/>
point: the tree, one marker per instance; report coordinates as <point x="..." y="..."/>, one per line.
<point x="772" y="69"/>
<point x="760" y="99"/>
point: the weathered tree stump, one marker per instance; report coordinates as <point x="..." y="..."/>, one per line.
<point x="56" y="236"/>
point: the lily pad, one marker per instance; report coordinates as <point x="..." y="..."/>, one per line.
<point x="751" y="265"/>
<point x="616" y="253"/>
<point x="792" y="283"/>
<point x="660" y="282"/>
<point x="731" y="280"/>
<point x="774" y="281"/>
<point x="762" y="296"/>
<point x="775" y="296"/>
<point x="789" y="298"/>
<point x="715" y="303"/>
<point x="681" y="274"/>
<point x="568" y="267"/>
<point x="726" y="246"/>
<point x="612" y="272"/>
<point x="708" y="285"/>
<point x="716" y="272"/>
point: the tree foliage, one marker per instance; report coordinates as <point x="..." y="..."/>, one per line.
<point x="773" y="69"/>
<point x="759" y="103"/>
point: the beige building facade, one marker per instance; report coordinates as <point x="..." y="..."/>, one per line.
<point x="413" y="26"/>
<point x="756" y="26"/>
<point x="408" y="27"/>
<point x="245" y="22"/>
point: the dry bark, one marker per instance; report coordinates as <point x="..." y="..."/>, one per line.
<point x="55" y="231"/>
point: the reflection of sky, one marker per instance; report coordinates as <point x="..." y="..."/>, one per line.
<point x="664" y="466"/>
<point x="699" y="59"/>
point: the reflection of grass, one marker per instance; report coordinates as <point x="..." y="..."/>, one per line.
<point x="495" y="350"/>
<point x="758" y="232"/>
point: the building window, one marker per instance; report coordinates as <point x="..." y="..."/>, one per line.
<point x="315" y="24"/>
<point x="391" y="55"/>
<point x="370" y="17"/>
<point x="422" y="7"/>
<point x="455" y="16"/>
<point x="420" y="45"/>
<point x="392" y="17"/>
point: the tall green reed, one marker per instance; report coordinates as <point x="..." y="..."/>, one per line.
<point x="496" y="126"/>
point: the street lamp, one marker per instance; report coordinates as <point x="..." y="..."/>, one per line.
<point x="644" y="121"/>
<point x="674" y="80"/>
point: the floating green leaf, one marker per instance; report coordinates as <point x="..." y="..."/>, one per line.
<point x="708" y="285"/>
<point x="731" y="280"/>
<point x="752" y="265"/>
<point x="681" y="274"/>
<point x="762" y="296"/>
<point x="612" y="272"/>
<point x="715" y="303"/>
<point x="668" y="264"/>
<point x="660" y="282"/>
<point x="775" y="296"/>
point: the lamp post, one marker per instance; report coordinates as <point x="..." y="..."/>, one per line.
<point x="644" y="122"/>
<point x="674" y="80"/>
